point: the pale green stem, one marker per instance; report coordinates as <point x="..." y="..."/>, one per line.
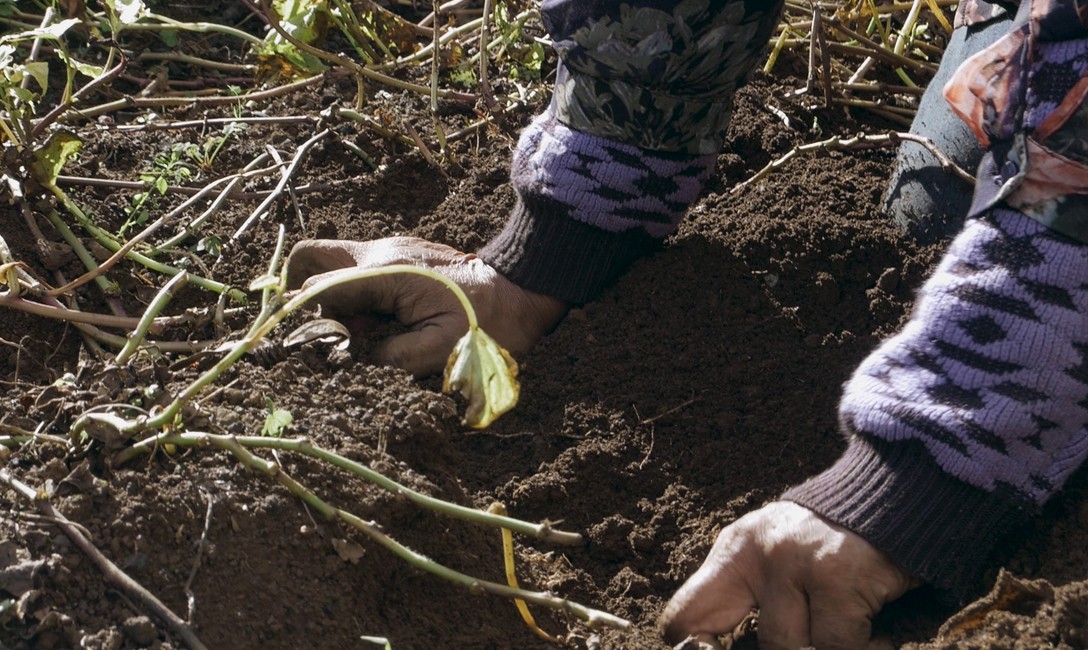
<point x="192" y="439"/>
<point x="106" y="240"/>
<point x="170" y="23"/>
<point x="262" y="327"/>
<point x="16" y="441"/>
<point x="162" y="298"/>
<point x="776" y="50"/>
<point x="11" y="137"/>
<point x="107" y="285"/>
<point x="123" y="251"/>
<point x="595" y="619"/>
<point x="71" y="315"/>
<point x="905" y="36"/>
<point x="273" y="264"/>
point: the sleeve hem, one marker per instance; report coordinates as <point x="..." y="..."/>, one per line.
<point x="543" y="250"/>
<point x="934" y="525"/>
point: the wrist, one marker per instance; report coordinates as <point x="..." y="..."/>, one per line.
<point x="930" y="523"/>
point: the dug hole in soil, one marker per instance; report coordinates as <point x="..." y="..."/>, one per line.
<point x="696" y="389"/>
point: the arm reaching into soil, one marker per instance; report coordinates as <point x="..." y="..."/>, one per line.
<point x="965" y="423"/>
<point x="643" y="96"/>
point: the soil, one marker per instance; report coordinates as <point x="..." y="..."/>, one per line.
<point x="697" y="388"/>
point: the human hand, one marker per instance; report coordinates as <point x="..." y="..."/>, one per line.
<point x="514" y="317"/>
<point x="815" y="583"/>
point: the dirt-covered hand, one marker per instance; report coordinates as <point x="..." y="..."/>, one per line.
<point x="514" y="317"/>
<point x="815" y="583"/>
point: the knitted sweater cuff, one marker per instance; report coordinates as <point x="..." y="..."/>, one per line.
<point x="935" y="526"/>
<point x="543" y="250"/>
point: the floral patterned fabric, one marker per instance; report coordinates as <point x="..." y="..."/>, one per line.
<point x="1040" y="169"/>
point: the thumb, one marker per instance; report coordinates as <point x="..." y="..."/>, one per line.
<point x="363" y="295"/>
<point x="713" y="601"/>
<point x="312" y="257"/>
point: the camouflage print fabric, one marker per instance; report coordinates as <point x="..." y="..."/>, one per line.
<point x="660" y="75"/>
<point x="1036" y="164"/>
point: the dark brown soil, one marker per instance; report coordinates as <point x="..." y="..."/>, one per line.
<point x="695" y="390"/>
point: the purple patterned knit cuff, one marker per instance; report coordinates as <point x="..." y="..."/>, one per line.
<point x="543" y="250"/>
<point x="935" y="526"/>
<point x="588" y="207"/>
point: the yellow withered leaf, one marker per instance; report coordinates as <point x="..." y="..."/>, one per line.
<point x="485" y="374"/>
<point x="50" y="158"/>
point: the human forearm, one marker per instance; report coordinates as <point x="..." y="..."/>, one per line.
<point x="642" y="100"/>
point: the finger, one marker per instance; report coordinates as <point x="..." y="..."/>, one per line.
<point x="714" y="600"/>
<point x="422" y="353"/>
<point x="312" y="257"/>
<point x="699" y="642"/>
<point x="783" y="618"/>
<point x="365" y="295"/>
<point x="838" y="623"/>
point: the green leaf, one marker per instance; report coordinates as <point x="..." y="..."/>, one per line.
<point x="276" y="422"/>
<point x="302" y="19"/>
<point x="266" y="281"/>
<point x="85" y="69"/>
<point x="169" y="37"/>
<point x="211" y="244"/>
<point x="485" y="374"/>
<point x="128" y="11"/>
<point x="299" y="18"/>
<point x="50" y="158"/>
<point x="52" y="32"/>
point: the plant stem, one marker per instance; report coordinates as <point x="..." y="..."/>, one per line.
<point x="195" y="439"/>
<point x="215" y="121"/>
<point x="111" y="571"/>
<point x="200" y="27"/>
<point x="264" y="324"/>
<point x="195" y="60"/>
<point x="285" y="177"/>
<point x="222" y="197"/>
<point x="860" y="141"/>
<point x="162" y="298"/>
<point x="106" y="240"/>
<point x="595" y="619"/>
<point x="273" y="263"/>
<point x="375" y="126"/>
<point x="425" y="51"/>
<point x="123" y="251"/>
<point x="107" y="285"/>
<point x="218" y="100"/>
<point x="71" y="315"/>
<point x="359" y="70"/>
